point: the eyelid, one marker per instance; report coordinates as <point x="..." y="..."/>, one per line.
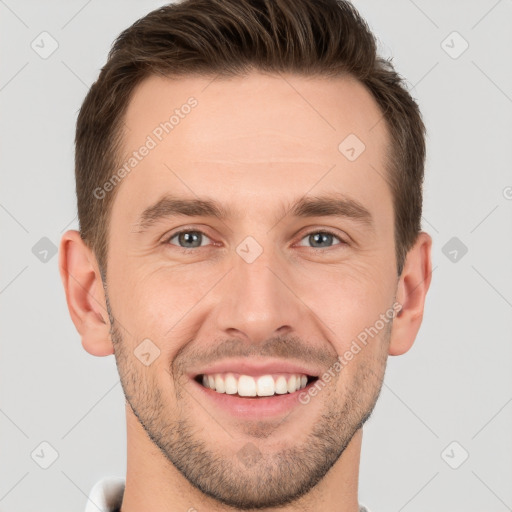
<point x="326" y="231"/>
<point x="168" y="237"/>
<point x="318" y="229"/>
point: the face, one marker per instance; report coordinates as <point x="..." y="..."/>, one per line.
<point x="286" y="260"/>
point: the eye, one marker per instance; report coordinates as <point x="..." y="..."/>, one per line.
<point x="321" y="239"/>
<point x="188" y="239"/>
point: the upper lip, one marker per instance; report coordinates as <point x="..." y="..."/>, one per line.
<point x="253" y="366"/>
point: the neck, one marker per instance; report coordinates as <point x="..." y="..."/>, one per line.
<point x="153" y="483"/>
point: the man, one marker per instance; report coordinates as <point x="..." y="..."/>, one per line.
<point x="249" y="184"/>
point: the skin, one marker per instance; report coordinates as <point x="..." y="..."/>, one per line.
<point x="255" y="144"/>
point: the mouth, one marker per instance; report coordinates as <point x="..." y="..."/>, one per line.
<point x="255" y="386"/>
<point x="254" y="389"/>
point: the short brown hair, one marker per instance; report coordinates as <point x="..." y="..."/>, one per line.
<point x="325" y="38"/>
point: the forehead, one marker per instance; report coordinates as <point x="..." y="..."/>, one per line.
<point x="282" y="134"/>
<point x="318" y="111"/>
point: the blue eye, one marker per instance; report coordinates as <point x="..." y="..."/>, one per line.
<point x="319" y="239"/>
<point x="194" y="239"/>
<point x="189" y="239"/>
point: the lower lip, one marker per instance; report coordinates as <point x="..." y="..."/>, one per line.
<point x="253" y="407"/>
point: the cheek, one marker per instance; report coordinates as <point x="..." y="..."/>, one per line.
<point x="159" y="304"/>
<point x="346" y="300"/>
<point x="349" y="305"/>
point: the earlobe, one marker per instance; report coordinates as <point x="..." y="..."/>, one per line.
<point x="84" y="294"/>
<point x="412" y="289"/>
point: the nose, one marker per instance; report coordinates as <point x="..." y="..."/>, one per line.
<point x="257" y="300"/>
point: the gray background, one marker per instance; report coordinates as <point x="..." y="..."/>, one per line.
<point x="455" y="384"/>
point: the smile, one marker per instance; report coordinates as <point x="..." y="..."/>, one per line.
<point x="255" y="386"/>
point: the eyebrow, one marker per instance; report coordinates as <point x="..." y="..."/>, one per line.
<point x="328" y="205"/>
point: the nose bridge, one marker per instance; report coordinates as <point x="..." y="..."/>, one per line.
<point x="255" y="301"/>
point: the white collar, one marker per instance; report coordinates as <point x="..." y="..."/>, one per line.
<point x="106" y="495"/>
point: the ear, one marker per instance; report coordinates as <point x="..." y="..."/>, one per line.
<point x="412" y="289"/>
<point x="85" y="296"/>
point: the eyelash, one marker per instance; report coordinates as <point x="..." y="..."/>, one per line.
<point x="324" y="232"/>
<point x="190" y="249"/>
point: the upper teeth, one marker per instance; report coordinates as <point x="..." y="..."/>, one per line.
<point x="245" y="385"/>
